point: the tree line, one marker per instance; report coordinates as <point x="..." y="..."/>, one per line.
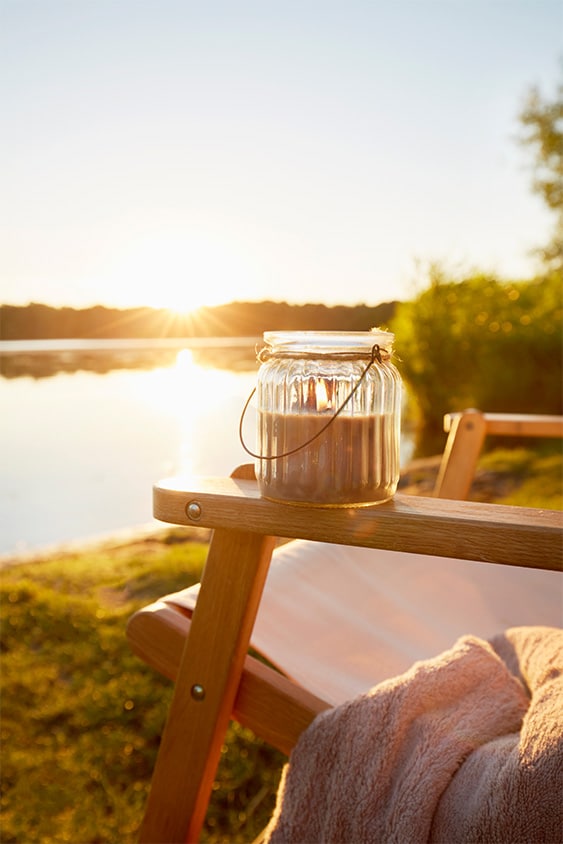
<point x="237" y="319"/>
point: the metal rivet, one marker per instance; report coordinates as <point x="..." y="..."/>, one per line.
<point x="193" y="510"/>
<point x="197" y="692"/>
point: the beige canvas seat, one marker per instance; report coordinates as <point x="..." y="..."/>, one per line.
<point x="369" y="614"/>
<point x="354" y="598"/>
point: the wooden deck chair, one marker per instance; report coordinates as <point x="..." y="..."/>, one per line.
<point x="466" y="435"/>
<point x="214" y="677"/>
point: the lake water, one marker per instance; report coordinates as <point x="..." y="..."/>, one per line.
<point x="88" y="426"/>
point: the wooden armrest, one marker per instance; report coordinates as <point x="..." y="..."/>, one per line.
<point x="461" y="529"/>
<point x="515" y="424"/>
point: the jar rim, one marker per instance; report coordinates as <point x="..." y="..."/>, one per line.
<point x="329" y="340"/>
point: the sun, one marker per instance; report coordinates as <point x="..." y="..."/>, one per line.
<point x="183" y="271"/>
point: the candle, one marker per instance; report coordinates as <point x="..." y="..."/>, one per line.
<point x="354" y="461"/>
<point x="328" y="411"/>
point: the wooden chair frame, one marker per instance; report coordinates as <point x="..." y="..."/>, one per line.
<point x="466" y="434"/>
<point x="214" y="677"/>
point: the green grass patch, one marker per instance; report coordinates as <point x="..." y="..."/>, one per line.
<point x="82" y="716"/>
<point x="526" y="477"/>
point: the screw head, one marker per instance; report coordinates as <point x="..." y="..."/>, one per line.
<point x="193" y="510"/>
<point x="197" y="691"/>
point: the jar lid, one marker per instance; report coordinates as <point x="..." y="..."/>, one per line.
<point x="329" y="341"/>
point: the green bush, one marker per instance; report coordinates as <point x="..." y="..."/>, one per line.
<point x="480" y="343"/>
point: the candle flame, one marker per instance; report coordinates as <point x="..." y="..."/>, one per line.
<point x="323" y="402"/>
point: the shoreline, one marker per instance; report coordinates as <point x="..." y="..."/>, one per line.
<point x="417" y="478"/>
<point x="113" y="541"/>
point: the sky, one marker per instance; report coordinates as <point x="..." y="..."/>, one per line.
<point x="175" y="153"/>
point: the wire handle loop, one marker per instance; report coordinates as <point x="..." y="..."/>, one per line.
<point x="375" y="357"/>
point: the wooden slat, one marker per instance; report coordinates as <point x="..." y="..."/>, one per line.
<point x="271" y="705"/>
<point x="516" y="424"/>
<point x="468" y="530"/>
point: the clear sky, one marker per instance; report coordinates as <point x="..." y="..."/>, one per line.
<point x="187" y="152"/>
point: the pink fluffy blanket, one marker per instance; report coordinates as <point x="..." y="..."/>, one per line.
<point x="464" y="747"/>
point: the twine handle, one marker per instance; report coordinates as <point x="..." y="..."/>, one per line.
<point x="375" y="356"/>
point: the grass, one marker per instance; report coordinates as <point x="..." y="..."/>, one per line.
<point x="81" y="716"/>
<point x="523" y="477"/>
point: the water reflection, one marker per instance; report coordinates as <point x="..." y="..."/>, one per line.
<point x="204" y="403"/>
<point x="45" y="359"/>
<point x="83" y="447"/>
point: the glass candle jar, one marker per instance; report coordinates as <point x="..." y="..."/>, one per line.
<point x="328" y="418"/>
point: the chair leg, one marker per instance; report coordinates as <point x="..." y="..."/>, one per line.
<point x="206" y="686"/>
<point x="465" y="441"/>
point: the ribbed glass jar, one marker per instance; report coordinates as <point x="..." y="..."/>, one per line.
<point x="328" y="418"/>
